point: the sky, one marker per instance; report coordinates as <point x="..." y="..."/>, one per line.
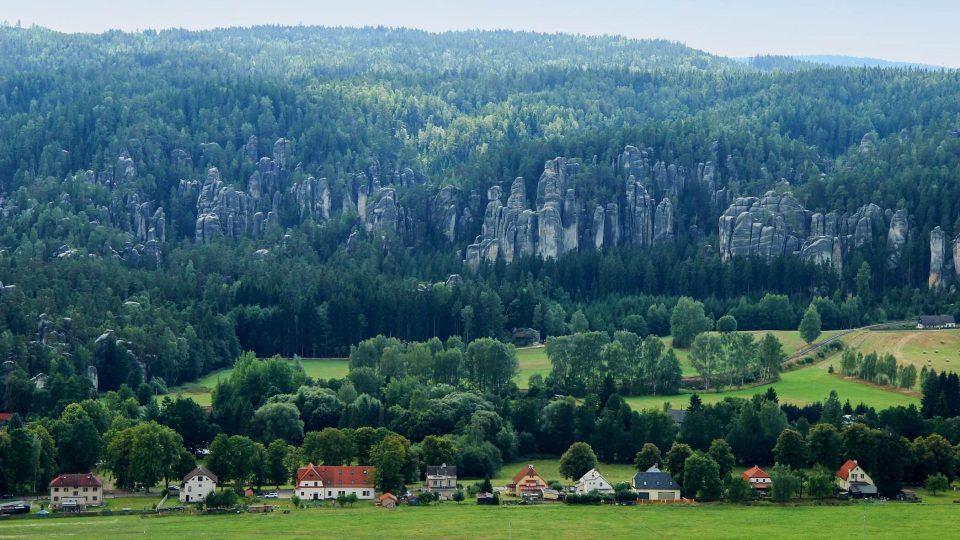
<point x="922" y="31"/>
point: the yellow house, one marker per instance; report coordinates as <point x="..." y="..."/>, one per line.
<point x="528" y="482"/>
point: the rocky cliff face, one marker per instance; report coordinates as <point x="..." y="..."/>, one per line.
<point x="937" y="279"/>
<point x="776" y="225"/>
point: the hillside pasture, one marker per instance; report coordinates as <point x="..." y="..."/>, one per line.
<point x="933" y="349"/>
<point x="800" y="387"/>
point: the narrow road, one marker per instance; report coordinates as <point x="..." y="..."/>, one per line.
<point x="814" y="347"/>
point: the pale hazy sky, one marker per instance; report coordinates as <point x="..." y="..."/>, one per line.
<point x="924" y="31"/>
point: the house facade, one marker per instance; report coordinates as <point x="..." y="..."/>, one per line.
<point x="853" y="480"/>
<point x="527" y="482"/>
<point x="309" y="486"/>
<point x="655" y="485"/>
<point x="315" y="482"/>
<point x="758" y="478"/>
<point x="76" y="491"/>
<point x="441" y="479"/>
<point x="593" y="481"/>
<point x="197" y="484"/>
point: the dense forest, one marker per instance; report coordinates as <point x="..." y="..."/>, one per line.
<point x="116" y="226"/>
<point x="176" y="202"/>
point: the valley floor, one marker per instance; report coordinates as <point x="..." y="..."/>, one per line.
<point x="714" y="521"/>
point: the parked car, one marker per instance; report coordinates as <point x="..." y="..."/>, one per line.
<point x="271" y="495"/>
<point x="173" y="489"/>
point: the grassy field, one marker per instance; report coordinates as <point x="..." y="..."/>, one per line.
<point x="317" y="368"/>
<point x="800" y="387"/>
<point x="533" y="360"/>
<point x="936" y="349"/>
<point x="886" y="520"/>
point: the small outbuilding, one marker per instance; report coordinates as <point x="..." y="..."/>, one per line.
<point x="387" y="500"/>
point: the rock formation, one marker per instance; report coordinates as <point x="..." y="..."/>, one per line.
<point x="896" y="238"/>
<point x="937" y="279"/>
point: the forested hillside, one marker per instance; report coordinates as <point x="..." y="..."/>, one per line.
<point x="169" y="199"/>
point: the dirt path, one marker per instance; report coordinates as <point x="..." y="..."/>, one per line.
<point x="902" y="342"/>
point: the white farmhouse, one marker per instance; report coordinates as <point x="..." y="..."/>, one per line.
<point x="197" y="484"/>
<point x="593" y="481"/>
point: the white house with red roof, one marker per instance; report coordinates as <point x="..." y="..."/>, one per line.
<point x="852" y="479"/>
<point x="758" y="479"/>
<point x="197" y="484"/>
<point x="75" y="492"/>
<point x="315" y="482"/>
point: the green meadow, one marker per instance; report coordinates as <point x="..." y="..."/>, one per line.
<point x="467" y="520"/>
<point x="800" y="387"/>
<point x="317" y="368"/>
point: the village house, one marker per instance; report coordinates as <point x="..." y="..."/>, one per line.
<point x="197" y="484"/>
<point x="309" y="484"/>
<point x="853" y="480"/>
<point x="593" y="481"/>
<point x="758" y="478"/>
<point x="315" y="482"/>
<point x="527" y="482"/>
<point x="655" y="485"/>
<point x="75" y="492"/>
<point x="441" y="479"/>
<point x="936" y="322"/>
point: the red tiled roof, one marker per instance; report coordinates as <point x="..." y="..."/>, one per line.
<point x="348" y="476"/>
<point x="387" y="496"/>
<point x="76" y="480"/>
<point x="754" y="472"/>
<point x="5" y="416"/>
<point x="527" y="471"/>
<point x="845" y="469"/>
<point x="310" y="472"/>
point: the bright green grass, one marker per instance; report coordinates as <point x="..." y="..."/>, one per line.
<point x="533" y="360"/>
<point x="800" y="387"/>
<point x="317" y="368"/>
<point x="887" y="520"/>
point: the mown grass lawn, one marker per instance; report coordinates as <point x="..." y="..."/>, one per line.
<point x="532" y="360"/>
<point x="800" y="387"/>
<point x="449" y="520"/>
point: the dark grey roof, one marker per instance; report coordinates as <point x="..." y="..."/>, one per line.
<point x="654" y="478"/>
<point x="936" y="320"/>
<point x="677" y="415"/>
<point x="863" y="488"/>
<point x="442" y="470"/>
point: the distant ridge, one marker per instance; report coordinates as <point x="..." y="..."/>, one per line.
<point x="858" y="61"/>
<point x="799" y="62"/>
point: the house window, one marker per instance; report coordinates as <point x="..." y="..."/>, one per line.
<point x="94" y="497"/>
<point x="56" y="499"/>
<point x="85" y="490"/>
<point x="366" y="493"/>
